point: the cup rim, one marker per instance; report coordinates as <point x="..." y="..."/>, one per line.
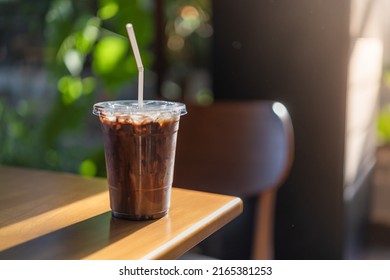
<point x="130" y="107"/>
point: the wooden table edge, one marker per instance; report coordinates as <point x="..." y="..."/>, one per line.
<point x="203" y="229"/>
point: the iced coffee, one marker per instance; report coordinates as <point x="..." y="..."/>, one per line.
<point x="139" y="147"/>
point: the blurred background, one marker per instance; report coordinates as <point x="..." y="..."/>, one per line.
<point x="60" y="57"/>
<point x="327" y="61"/>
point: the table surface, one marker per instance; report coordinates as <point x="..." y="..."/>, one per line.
<point x="50" y="215"/>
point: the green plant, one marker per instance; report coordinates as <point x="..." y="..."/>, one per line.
<point x="88" y="58"/>
<point x="383" y="118"/>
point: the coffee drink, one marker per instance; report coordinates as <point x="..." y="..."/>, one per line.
<point x="140" y="150"/>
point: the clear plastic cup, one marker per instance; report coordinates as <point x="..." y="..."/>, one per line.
<point x="139" y="147"/>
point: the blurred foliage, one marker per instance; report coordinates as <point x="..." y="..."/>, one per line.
<point x="189" y="33"/>
<point x="62" y="56"/>
<point x="88" y="57"/>
<point x="383" y="125"/>
<point x="383" y="119"/>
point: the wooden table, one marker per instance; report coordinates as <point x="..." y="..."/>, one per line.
<point x="49" y="215"/>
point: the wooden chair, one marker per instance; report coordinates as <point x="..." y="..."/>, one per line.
<point x="238" y="148"/>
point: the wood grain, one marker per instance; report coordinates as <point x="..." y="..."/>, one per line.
<point x="48" y="215"/>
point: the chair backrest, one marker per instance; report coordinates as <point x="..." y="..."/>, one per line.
<point x="238" y="148"/>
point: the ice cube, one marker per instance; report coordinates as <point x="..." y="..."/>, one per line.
<point x="140" y="119"/>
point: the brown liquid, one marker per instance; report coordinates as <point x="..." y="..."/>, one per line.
<point x="139" y="162"/>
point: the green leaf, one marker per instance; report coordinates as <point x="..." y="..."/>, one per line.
<point x="88" y="168"/>
<point x="383" y="125"/>
<point x="108" y="53"/>
<point x="74" y="61"/>
<point x="108" y="10"/>
<point x="71" y="89"/>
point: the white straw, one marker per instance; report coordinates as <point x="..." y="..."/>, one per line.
<point x="133" y="41"/>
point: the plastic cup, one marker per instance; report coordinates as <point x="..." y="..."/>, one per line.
<point x="139" y="148"/>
